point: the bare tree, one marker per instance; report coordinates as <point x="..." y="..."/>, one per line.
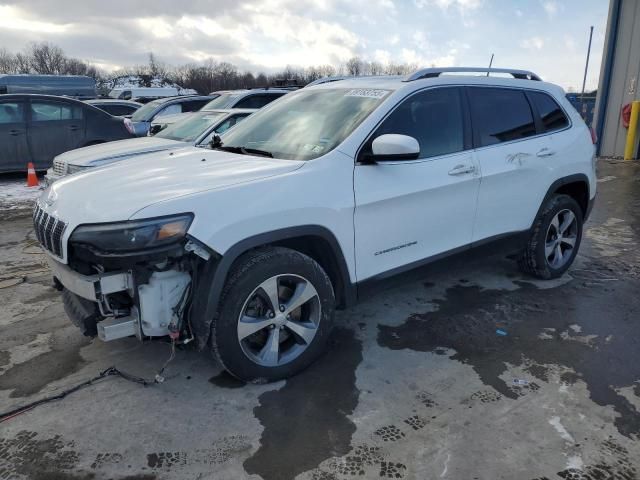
<point x="7" y="61"/>
<point x="354" y="66"/>
<point x="45" y="58"/>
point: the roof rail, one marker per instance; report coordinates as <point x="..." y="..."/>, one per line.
<point x="436" y="72"/>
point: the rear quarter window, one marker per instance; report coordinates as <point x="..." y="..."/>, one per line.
<point x="552" y="116"/>
<point x="500" y="115"/>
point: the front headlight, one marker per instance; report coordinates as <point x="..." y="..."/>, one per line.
<point x="133" y="235"/>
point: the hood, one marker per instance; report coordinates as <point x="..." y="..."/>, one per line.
<point x="116" y="192"/>
<point x="95" y="155"/>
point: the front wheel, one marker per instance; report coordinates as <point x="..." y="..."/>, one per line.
<point x="275" y="315"/>
<point x="555" y="238"/>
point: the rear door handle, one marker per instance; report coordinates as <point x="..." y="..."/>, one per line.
<point x="73" y="128"/>
<point x="462" y="169"/>
<point x="545" y="152"/>
<point x="15" y="132"/>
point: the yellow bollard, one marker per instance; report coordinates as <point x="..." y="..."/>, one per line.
<point x="633" y="130"/>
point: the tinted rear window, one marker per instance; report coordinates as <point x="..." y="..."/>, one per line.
<point x="500" y="115"/>
<point x="552" y="116"/>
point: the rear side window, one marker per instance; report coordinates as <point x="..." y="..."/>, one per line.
<point x="11" y="112"/>
<point x="500" y="115"/>
<point x="552" y="116"/>
<point x="193" y="105"/>
<point x="256" y="101"/>
<point x="42" y="111"/>
<point x="433" y="117"/>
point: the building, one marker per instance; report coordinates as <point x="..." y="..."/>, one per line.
<point x="619" y="76"/>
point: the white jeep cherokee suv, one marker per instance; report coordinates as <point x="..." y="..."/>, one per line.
<point x="248" y="248"/>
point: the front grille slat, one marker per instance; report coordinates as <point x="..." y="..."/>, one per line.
<point x="49" y="230"/>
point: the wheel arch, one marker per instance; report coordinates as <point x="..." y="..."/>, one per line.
<point x="315" y="241"/>
<point x="576" y="186"/>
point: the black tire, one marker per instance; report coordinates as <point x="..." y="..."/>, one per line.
<point x="533" y="259"/>
<point x="247" y="274"/>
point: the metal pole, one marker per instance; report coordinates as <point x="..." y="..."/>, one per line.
<point x="586" y="67"/>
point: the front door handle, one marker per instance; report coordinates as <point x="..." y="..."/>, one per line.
<point x="462" y="169"/>
<point x="73" y="128"/>
<point x="15" y="132"/>
<point x="545" y="152"/>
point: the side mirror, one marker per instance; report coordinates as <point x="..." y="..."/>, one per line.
<point x="155" y="129"/>
<point x="392" y="147"/>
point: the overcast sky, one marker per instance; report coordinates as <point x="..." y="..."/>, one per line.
<point x="547" y="36"/>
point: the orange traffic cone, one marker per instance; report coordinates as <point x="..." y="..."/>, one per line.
<point x="32" y="178"/>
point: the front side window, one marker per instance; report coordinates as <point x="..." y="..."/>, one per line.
<point x="500" y="115"/>
<point x="42" y="111"/>
<point x="433" y="117"/>
<point x="192" y="127"/>
<point x="305" y="124"/>
<point x="552" y="116"/>
<point x="11" y="112"/>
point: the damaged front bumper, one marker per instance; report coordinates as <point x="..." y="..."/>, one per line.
<point x="121" y="305"/>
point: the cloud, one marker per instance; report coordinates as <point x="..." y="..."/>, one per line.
<point x="532" y="43"/>
<point x="551" y="7"/>
<point x="461" y="5"/>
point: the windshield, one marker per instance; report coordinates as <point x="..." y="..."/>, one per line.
<point x="305" y="124"/>
<point x="144" y="113"/>
<point x="189" y="129"/>
<point x="220" y="102"/>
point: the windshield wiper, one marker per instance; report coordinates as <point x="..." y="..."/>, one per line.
<point x="255" y="151"/>
<point x="216" y="144"/>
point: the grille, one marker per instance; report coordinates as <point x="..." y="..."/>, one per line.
<point x="49" y="230"/>
<point x="59" y="167"/>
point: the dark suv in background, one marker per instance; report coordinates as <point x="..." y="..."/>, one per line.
<point x="36" y="128"/>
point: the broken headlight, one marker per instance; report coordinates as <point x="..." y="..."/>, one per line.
<point x="133" y="235"/>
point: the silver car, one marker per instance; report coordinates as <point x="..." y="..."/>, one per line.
<point x="196" y="130"/>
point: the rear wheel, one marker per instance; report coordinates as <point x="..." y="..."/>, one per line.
<point x="275" y="314"/>
<point x="555" y="238"/>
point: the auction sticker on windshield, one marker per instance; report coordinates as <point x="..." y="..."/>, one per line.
<point x="366" y="92"/>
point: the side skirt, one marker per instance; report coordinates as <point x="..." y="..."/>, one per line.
<point x="505" y="244"/>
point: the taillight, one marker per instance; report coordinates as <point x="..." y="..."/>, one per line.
<point x="594" y="137"/>
<point x="129" y="126"/>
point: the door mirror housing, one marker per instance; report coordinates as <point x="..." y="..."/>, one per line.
<point x="392" y="147"/>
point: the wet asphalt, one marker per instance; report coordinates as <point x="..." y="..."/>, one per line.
<point x="477" y="372"/>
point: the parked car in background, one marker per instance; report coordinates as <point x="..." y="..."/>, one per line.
<point x="76" y="86"/>
<point x="36" y="128"/>
<point x="130" y="93"/>
<point x="141" y="120"/>
<point x="117" y="108"/>
<point x="196" y="131"/>
<point x="255" y="98"/>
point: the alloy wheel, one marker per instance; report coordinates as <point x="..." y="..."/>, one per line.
<point x="561" y="238"/>
<point x="279" y="320"/>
